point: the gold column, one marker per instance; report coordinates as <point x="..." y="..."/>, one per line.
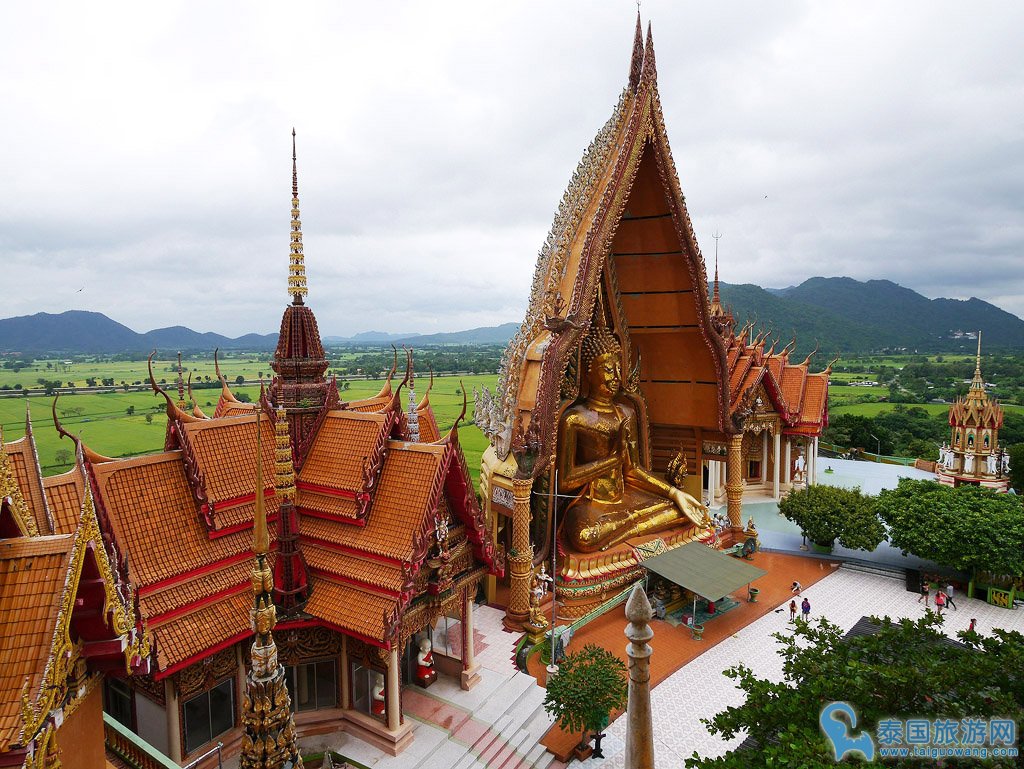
<point x="520" y="560"/>
<point x="734" y="481"/>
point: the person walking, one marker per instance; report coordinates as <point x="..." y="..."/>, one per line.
<point x="792" y="610"/>
<point x="970" y="628"/>
<point x="805" y="608"/>
<point x="924" y="592"/>
<point x="949" y="597"/>
<point x="940" y="602"/>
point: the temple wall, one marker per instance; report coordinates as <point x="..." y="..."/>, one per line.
<point x="151" y="722"/>
<point x="80" y="737"/>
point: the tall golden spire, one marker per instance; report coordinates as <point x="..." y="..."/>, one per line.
<point x="977" y="390"/>
<point x="296" y="259"/>
<point x="269" y="740"/>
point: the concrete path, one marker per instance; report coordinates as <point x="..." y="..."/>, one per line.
<point x="699" y="690"/>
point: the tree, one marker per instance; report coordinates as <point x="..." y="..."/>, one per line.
<point x="828" y="513"/>
<point x="588" y="686"/>
<point x="967" y="528"/>
<point x="239" y="380"/>
<point x="906" y="669"/>
<point x="244" y="398"/>
<point x="149" y="419"/>
<point x="1016" y="453"/>
<point x="62" y="456"/>
<point x="130" y="410"/>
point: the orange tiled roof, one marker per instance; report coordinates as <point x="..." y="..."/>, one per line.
<point x="224" y="450"/>
<point x="370" y="405"/>
<point x="411" y="472"/>
<point x="155" y="522"/>
<point x="32" y="577"/>
<point x="345" y="439"/>
<point x="373" y="573"/>
<point x="26" y="470"/>
<point x="194" y="589"/>
<point x="327" y="504"/>
<point x="815" y="398"/>
<point x="429" y="431"/>
<point x="186" y="636"/>
<point x="65" y="493"/>
<point x="793" y="381"/>
<point x="234" y="409"/>
<point x="349" y="608"/>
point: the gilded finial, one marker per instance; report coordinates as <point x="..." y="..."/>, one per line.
<point x="284" y="480"/>
<point x="181" y="386"/>
<point x="296" y="259"/>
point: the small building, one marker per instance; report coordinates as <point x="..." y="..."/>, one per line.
<point x="973" y="456"/>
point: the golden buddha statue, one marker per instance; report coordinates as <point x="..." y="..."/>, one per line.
<point x="598" y="458"/>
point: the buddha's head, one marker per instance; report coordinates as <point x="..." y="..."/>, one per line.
<point x="602" y="363"/>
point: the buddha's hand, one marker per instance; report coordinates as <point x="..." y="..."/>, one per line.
<point x="690" y="507"/>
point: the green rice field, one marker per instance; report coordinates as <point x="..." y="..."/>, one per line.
<point x="874" y="409"/>
<point x="103" y="421"/>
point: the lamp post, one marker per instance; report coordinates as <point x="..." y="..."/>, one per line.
<point x="878" y="453"/>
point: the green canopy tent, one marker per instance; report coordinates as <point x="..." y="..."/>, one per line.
<point x="706" y="572"/>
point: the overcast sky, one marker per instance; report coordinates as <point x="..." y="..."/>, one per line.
<point x="146" y="150"/>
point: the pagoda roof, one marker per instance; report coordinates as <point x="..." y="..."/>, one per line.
<point x="64" y="493"/>
<point x="24" y="463"/>
<point x="33" y="571"/>
<point x="622" y="230"/>
<point x="797" y="395"/>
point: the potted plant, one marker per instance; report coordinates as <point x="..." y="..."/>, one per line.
<point x="588" y="686"/>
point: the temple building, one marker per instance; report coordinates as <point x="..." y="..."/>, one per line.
<point x="375" y="549"/>
<point x="628" y="398"/>
<point x="973" y="456"/>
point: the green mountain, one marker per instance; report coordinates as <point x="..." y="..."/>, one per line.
<point x="845" y="315"/>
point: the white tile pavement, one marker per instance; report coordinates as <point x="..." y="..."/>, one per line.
<point x="699" y="690"/>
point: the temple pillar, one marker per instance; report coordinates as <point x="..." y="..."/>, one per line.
<point x="764" y="458"/>
<point x="789" y="462"/>
<point x="776" y="461"/>
<point x="470" y="667"/>
<point x="173" y="722"/>
<point x="394" y="694"/>
<point x="346" y="696"/>
<point x="734" y="481"/>
<point x="520" y="560"/>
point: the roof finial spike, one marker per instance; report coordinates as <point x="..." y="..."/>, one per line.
<point x="296" y="259"/>
<point x="181" y="385"/>
<point x="636" y="62"/>
<point x="977" y="363"/>
<point x="716" y="299"/>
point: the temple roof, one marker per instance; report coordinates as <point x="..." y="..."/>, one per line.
<point x="64" y="492"/>
<point x="977" y="409"/>
<point x="622" y="229"/>
<point x="33" y="571"/>
<point x="25" y="464"/>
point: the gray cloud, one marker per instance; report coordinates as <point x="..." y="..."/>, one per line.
<point x="146" y="153"/>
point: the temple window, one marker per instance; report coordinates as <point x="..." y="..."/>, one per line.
<point x="117" y="701"/>
<point x="312" y="685"/>
<point x="368" y="694"/>
<point x="986" y="440"/>
<point x="209" y="714"/>
<point x="970" y="440"/>
<point x="446" y="637"/>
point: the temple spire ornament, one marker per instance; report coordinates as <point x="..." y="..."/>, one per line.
<point x="269" y="740"/>
<point x="413" y="417"/>
<point x="296" y="259"/>
<point x="182" y="403"/>
<point x="977" y="391"/>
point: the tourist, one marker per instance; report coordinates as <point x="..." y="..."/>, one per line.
<point x="796" y="588"/>
<point x="970" y="628"/>
<point x="924" y="592"/>
<point x="949" y="597"/>
<point x="792" y="610"/>
<point x="805" y="607"/>
<point x="940" y="602"/>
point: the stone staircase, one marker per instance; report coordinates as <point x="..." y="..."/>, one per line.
<point x="503" y="733"/>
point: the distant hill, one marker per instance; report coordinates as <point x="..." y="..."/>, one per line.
<point x="483" y="335"/>
<point x="841" y="314"/>
<point x="368" y="337"/>
<point x="77" y="331"/>
<point x="846" y="315"/>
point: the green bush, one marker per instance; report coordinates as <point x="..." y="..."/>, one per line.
<point x="828" y="513"/>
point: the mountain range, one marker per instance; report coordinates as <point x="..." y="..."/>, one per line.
<point x="841" y="315"/>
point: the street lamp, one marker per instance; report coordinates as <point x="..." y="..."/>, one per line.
<point x="878" y="453"/>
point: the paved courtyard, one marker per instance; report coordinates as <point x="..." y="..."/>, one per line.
<point x="699" y="690"/>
